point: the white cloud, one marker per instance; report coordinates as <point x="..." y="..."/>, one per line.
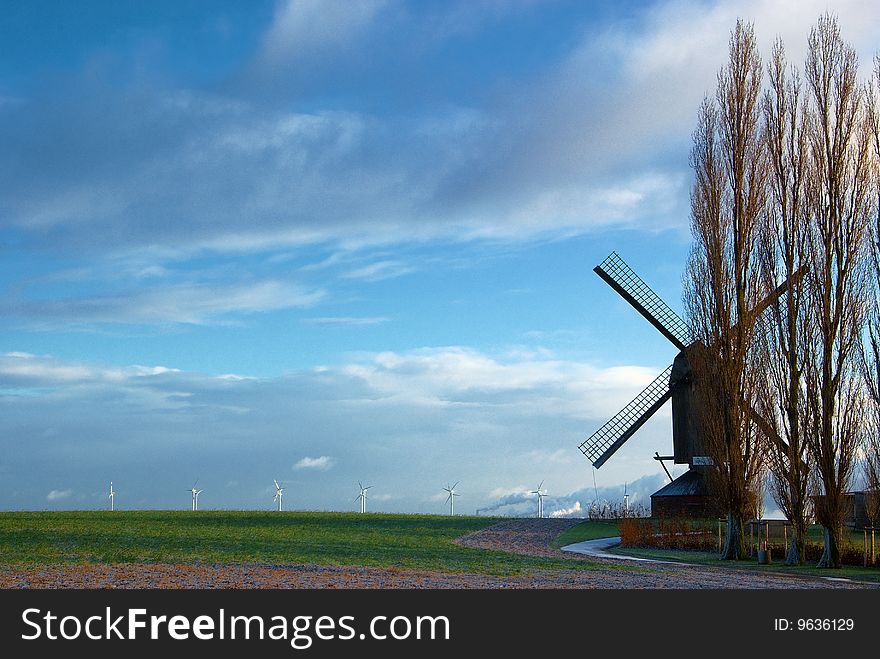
<point x="597" y="139"/>
<point x="45" y="370"/>
<point x="24" y="366"/>
<point x="450" y="375"/>
<point x="322" y="463"/>
<point x="304" y="29"/>
<point x="410" y="420"/>
<point x="346" y="320"/>
<point x="559" y="456"/>
<point x="177" y="303"/>
<point x="505" y="492"/>
<point x="380" y="270"/>
<point x="57" y="495"/>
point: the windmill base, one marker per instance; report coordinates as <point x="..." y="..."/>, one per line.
<point x="687" y="496"/>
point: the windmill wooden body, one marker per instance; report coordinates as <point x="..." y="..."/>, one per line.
<point x="688" y="494"/>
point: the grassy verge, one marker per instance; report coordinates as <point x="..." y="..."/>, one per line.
<point x="871" y="574"/>
<point x="222" y="537"/>
<point x="586" y="530"/>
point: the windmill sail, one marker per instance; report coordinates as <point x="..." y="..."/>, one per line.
<point x="634" y="290"/>
<point x="603" y="443"/>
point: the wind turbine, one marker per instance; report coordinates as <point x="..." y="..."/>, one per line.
<point x="362" y="497"/>
<point x="112" y="496"/>
<point x="541" y="494"/>
<point x="279" y="492"/>
<point x="195" y="495"/>
<point x="450" y="499"/>
<point x="625" y="501"/>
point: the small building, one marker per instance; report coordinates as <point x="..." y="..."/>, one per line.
<point x="857" y="508"/>
<point x="686" y="496"/>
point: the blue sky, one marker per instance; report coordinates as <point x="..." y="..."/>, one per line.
<point x="324" y="242"/>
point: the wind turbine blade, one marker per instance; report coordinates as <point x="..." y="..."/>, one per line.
<point x="540" y="484"/>
<point x="456" y="484"/>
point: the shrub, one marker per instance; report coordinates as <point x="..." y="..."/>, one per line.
<point x="636" y="532"/>
<point x="667" y="533"/>
<point x="698" y="535"/>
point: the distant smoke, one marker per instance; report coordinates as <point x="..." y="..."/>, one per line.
<point x="574" y="511"/>
<point x="519" y="503"/>
<point x="578" y="503"/>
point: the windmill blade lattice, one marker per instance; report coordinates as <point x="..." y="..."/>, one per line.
<point x="634" y="290"/>
<point x="603" y="443"/>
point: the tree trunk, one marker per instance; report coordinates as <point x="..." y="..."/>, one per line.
<point x="796" y="548"/>
<point x="734" y="543"/>
<point x="793" y="556"/>
<point x="831" y="552"/>
<point x="797" y="551"/>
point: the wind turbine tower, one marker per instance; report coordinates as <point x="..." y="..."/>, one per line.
<point x="541" y="494"/>
<point x="195" y="495"/>
<point x="279" y="492"/>
<point x="362" y="497"/>
<point x="450" y="499"/>
<point x="112" y="497"/>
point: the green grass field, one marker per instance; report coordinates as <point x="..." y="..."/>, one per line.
<point x="222" y="537"/>
<point x="270" y="538"/>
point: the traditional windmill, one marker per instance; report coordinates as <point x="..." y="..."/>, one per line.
<point x="687" y="494"/>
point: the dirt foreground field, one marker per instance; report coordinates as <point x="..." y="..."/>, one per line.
<point x="532" y="537"/>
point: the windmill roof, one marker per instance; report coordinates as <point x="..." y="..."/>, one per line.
<point x="690" y="483"/>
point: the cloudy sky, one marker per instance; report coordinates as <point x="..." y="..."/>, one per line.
<point x="325" y="241"/>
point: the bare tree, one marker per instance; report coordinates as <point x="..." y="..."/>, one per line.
<point x="722" y="285"/>
<point x="871" y="349"/>
<point x="783" y="242"/>
<point x="839" y="201"/>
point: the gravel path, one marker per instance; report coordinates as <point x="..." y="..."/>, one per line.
<point x="524" y="536"/>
